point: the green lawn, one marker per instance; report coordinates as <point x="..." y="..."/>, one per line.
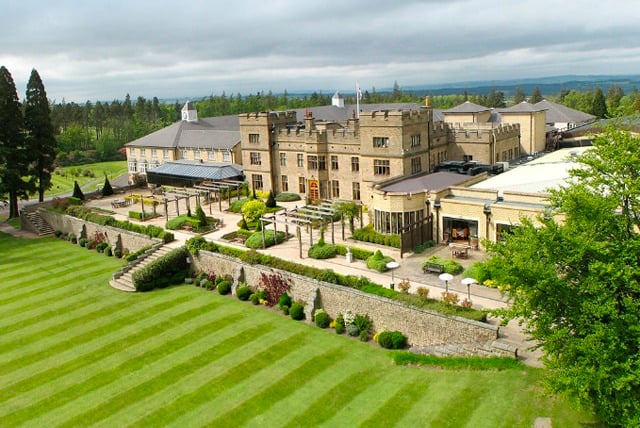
<point x="63" y="184"/>
<point x="74" y="352"/>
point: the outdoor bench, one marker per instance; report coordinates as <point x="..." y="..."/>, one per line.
<point x="433" y="267"/>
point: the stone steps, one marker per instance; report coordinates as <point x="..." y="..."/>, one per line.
<point x="123" y="280"/>
<point x="38" y="224"/>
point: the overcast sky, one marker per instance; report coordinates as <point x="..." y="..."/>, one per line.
<point x="102" y="50"/>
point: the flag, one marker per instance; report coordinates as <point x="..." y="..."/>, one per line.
<point x="358" y="91"/>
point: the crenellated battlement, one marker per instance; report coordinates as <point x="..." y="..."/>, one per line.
<point x="396" y="117"/>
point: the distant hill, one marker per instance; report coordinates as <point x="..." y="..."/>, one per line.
<point x="547" y="85"/>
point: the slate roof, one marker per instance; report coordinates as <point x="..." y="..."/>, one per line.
<point x="203" y="134"/>
<point x="557" y="113"/>
<point x="466" y="107"/>
<point x="199" y="170"/>
<point x="523" y="107"/>
<point x="435" y="182"/>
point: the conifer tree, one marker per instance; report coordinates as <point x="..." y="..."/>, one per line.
<point x="536" y="95"/>
<point x="599" y="108"/>
<point x="107" y="190"/>
<point x="77" y="191"/>
<point x="13" y="154"/>
<point x="40" y="140"/>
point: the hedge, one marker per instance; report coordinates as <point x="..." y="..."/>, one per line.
<point x="104" y="220"/>
<point x="163" y="271"/>
<point x="368" y="234"/>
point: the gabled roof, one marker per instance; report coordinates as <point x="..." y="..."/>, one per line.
<point x="203" y="134"/>
<point x="557" y="113"/>
<point x="198" y="170"/>
<point x="466" y="107"/>
<point x="523" y="107"/>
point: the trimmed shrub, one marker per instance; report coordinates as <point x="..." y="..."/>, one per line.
<point x="322" y="318"/>
<point x="243" y="292"/>
<point x="107" y="190"/>
<point x="288" y="197"/>
<point x="254" y="298"/>
<point x="271" y="200"/>
<point x="296" y="311"/>
<point x="108" y="252"/>
<point x="77" y="192"/>
<point x="224" y="287"/>
<point x="162" y="271"/>
<point x="82" y="242"/>
<point x="255" y="240"/>
<point x="321" y="250"/>
<point x="352" y="330"/>
<point x="378" y="261"/>
<point x="392" y="340"/>
<point x="284" y="300"/>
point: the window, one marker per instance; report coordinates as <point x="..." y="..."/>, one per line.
<point x="380" y="142"/>
<point x="302" y="185"/>
<point x="283" y="159"/>
<point x="183" y="153"/>
<point x="153" y="164"/>
<point x="415" y="140"/>
<point x="132" y="151"/>
<point x="334" y="162"/>
<point x="355" y="191"/>
<point x="143" y="152"/>
<point x="284" y="181"/>
<point x="322" y="163"/>
<point x="254" y="138"/>
<point x="143" y="167"/>
<point x="196" y="154"/>
<point x="226" y="156"/>
<point x="335" y="189"/>
<point x="256" y="181"/>
<point x="381" y="167"/>
<point x="300" y="160"/>
<point x="154" y="153"/>
<point x="132" y="166"/>
<point x="355" y="164"/>
<point x="416" y="165"/>
<point x="312" y="162"/>
<point x="255" y="158"/>
<point x="211" y="155"/>
<point x="165" y="154"/>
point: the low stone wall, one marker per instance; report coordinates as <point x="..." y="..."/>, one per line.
<point x="423" y="328"/>
<point x="131" y="241"/>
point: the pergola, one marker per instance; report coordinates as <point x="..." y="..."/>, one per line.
<point x="304" y="216"/>
<point x="217" y="188"/>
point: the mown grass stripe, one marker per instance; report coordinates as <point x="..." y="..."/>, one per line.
<point x="461" y="402"/>
<point x="63" y="262"/>
<point x="337" y="397"/>
<point x="167" y="387"/>
<point x="397" y="404"/>
<point x="38" y="315"/>
<point x="43" y="254"/>
<point x="28" y="383"/>
<point x="109" y="370"/>
<point x="290" y="378"/>
<point x="60" y="281"/>
<point x="105" y="337"/>
<point x="216" y="385"/>
<point x="24" y="335"/>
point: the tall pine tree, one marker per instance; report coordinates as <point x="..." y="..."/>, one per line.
<point x="599" y="106"/>
<point x="536" y="96"/>
<point x="41" y="142"/>
<point x="13" y="154"/>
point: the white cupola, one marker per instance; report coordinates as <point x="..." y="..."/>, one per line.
<point x="189" y="112"/>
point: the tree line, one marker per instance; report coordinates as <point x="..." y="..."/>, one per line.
<point x="27" y="141"/>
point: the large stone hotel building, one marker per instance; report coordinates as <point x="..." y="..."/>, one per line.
<point x="383" y="156"/>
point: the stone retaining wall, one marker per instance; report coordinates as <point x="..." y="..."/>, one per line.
<point x="131" y="241"/>
<point x="423" y="328"/>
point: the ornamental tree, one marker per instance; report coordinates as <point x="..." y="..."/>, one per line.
<point x="576" y="284"/>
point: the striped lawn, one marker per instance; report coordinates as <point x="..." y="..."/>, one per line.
<point x="74" y="352"/>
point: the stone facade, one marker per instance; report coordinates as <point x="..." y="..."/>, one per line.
<point x="423" y="328"/>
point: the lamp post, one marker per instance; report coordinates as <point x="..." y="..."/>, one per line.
<point x="391" y="266"/>
<point x="468" y="282"/>
<point x="446" y="277"/>
<point x="487" y="212"/>
<point x="436" y="206"/>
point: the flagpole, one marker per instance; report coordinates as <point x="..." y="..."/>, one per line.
<point x="357" y="100"/>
